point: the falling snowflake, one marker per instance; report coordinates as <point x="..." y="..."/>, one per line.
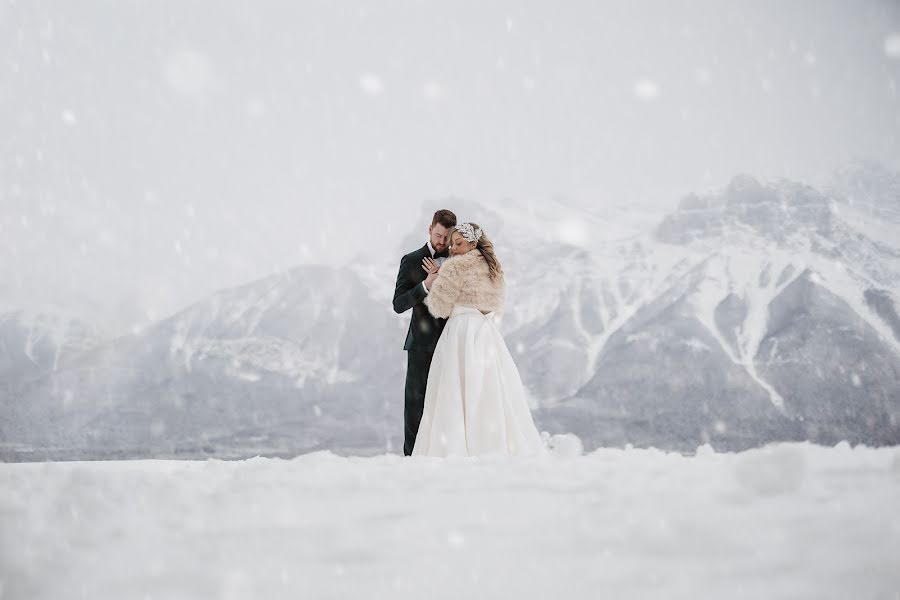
<point x="371" y="84"/>
<point x="432" y="90"/>
<point x="646" y="89"/>
<point x="892" y="46"/>
<point x="190" y="73"/>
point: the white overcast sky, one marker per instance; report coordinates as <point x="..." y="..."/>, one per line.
<point x="152" y="152"/>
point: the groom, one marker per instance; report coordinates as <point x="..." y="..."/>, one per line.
<point x="424" y="330"/>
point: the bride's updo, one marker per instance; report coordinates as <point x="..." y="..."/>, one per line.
<point x="486" y="247"/>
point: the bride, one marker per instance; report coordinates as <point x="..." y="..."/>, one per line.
<point x="474" y="400"/>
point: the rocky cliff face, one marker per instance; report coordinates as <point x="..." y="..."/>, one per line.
<point x="779" y="322"/>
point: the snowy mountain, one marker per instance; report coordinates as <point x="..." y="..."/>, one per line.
<point x="776" y="321"/>
<point x="764" y="311"/>
<point x="868" y="187"/>
<point x="32" y="343"/>
<point x="285" y="364"/>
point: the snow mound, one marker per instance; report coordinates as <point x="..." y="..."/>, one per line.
<point x="785" y="521"/>
<point x="772" y="470"/>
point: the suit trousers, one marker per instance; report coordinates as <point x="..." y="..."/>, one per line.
<point x="418" y="363"/>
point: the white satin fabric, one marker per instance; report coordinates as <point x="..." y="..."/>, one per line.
<point x="474" y="400"/>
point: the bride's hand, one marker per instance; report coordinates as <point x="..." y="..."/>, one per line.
<point x="430" y="266"/>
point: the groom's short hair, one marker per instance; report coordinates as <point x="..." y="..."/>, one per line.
<point x="445" y="218"/>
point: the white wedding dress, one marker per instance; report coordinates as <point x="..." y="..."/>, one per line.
<point x="474" y="401"/>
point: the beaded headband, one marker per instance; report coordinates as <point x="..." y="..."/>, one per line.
<point x="469" y="232"/>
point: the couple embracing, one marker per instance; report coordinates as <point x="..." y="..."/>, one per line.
<point x="464" y="396"/>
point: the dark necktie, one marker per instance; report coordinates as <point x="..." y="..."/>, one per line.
<point x="444" y="254"/>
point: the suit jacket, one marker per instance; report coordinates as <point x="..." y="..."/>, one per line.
<point x="424" y="329"/>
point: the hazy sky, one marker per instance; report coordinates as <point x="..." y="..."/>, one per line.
<point x="153" y="151"/>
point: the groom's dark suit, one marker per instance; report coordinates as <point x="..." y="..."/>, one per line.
<point x="421" y="339"/>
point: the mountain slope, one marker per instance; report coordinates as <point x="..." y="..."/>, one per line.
<point x="779" y="305"/>
<point x="280" y="365"/>
<point x="761" y="312"/>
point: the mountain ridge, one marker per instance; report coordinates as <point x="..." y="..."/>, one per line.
<point x="759" y="312"/>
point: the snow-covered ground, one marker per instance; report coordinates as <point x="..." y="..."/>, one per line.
<point x="785" y="521"/>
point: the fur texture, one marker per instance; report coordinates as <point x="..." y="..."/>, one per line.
<point x="466" y="281"/>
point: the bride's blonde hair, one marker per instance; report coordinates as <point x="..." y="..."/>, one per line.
<point x="486" y="247"/>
